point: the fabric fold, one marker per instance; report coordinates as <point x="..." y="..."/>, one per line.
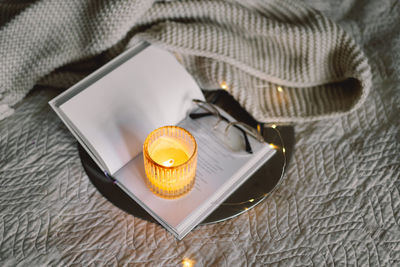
<point x="282" y="61"/>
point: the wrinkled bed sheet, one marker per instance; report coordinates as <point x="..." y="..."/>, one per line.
<point x="339" y="203"/>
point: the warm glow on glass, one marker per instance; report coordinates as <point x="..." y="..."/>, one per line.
<point x="188" y="262"/>
<point x="168" y="152"/>
<point x="170" y="158"/>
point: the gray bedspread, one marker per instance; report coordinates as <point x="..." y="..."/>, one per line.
<point x="339" y="203"/>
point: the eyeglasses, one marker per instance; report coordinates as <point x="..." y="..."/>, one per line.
<point x="235" y="136"/>
<point x="234" y="133"/>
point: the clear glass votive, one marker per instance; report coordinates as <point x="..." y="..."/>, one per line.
<point x="170" y="160"/>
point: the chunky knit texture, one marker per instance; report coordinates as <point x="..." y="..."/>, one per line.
<point x="281" y="60"/>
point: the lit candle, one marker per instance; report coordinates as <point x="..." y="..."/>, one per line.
<point x="170" y="158"/>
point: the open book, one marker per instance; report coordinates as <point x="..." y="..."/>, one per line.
<point x="112" y="111"/>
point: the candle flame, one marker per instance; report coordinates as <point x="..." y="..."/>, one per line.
<point x="168" y="163"/>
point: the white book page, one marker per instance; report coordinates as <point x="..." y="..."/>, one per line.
<point x="116" y="113"/>
<point x="217" y="169"/>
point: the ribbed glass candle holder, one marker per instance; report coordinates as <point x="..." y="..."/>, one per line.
<point x="170" y="160"/>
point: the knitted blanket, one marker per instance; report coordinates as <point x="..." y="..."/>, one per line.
<point x="339" y="202"/>
<point x="281" y="60"/>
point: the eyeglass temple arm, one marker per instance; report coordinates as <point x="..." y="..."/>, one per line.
<point x="246" y="141"/>
<point x="199" y="115"/>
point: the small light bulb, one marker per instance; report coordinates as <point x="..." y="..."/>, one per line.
<point x="273" y="146"/>
<point x="273" y="126"/>
<point x="187" y="262"/>
<point x="251" y="200"/>
<point x="280" y="89"/>
<point x="284" y="150"/>
<point x="224" y="86"/>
